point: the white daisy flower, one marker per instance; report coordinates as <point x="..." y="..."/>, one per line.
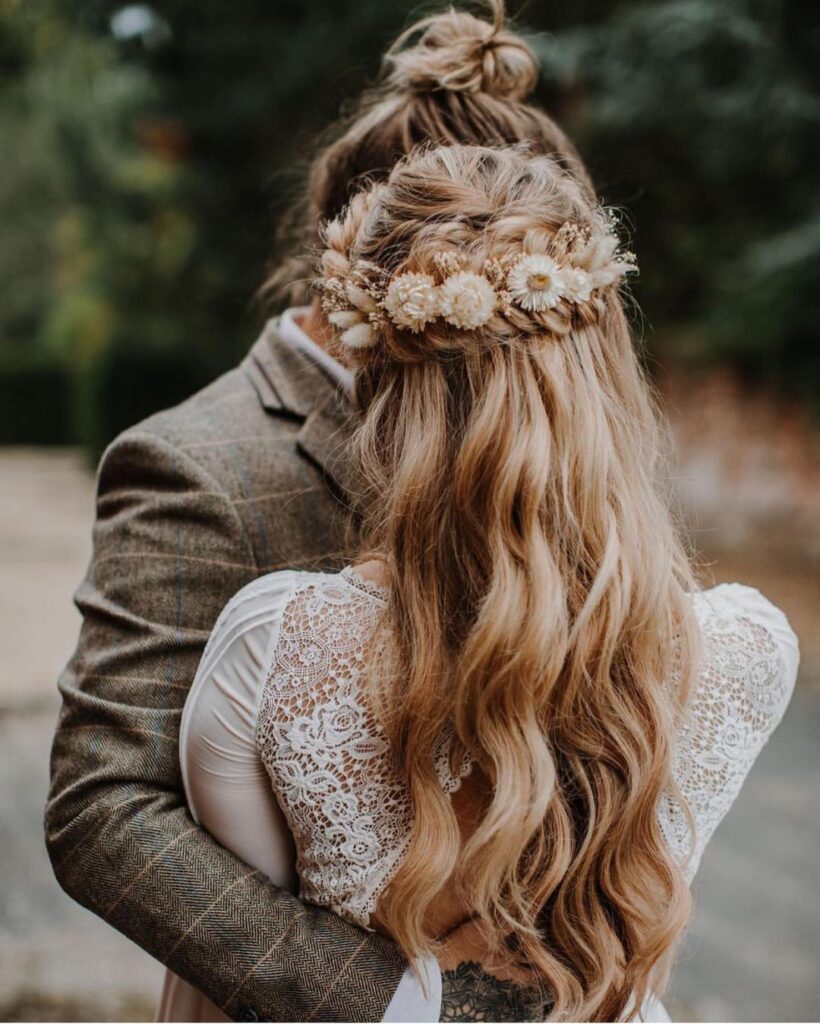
<point x="578" y="284"/>
<point x="412" y="301"/>
<point x="536" y="283"/>
<point x="467" y="300"/>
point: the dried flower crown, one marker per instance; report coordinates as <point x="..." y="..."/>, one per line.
<point x="565" y="270"/>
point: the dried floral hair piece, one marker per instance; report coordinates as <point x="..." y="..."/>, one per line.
<point x="566" y="267"/>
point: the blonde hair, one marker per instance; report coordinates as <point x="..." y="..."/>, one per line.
<point x="538" y="589"/>
<point x="450" y="78"/>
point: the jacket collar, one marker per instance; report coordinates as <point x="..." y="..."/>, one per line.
<point x="289" y="383"/>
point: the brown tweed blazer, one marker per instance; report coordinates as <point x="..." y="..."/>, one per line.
<point x="246" y="477"/>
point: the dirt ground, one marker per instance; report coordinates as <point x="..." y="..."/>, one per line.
<point x="752" y="949"/>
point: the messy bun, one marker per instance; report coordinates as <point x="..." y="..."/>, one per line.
<point x="452" y="78"/>
<point x="458" y="52"/>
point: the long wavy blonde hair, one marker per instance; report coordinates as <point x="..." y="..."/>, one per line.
<point x="538" y="589"/>
<point x="452" y="77"/>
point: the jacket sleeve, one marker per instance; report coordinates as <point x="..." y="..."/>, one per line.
<point x="169" y="551"/>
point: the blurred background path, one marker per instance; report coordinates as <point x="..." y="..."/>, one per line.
<point x="752" y="951"/>
<point x="57" y="960"/>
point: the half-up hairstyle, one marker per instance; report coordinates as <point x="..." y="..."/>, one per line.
<point x="538" y="592"/>
<point x="450" y="78"/>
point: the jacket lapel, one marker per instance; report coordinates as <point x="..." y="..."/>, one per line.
<point x="288" y="382"/>
<point x="325" y="437"/>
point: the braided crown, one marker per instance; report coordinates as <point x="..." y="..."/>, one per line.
<point x="445" y="247"/>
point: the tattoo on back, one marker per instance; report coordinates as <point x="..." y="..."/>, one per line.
<point x="468" y="992"/>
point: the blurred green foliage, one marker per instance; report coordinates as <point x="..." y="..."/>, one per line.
<point x="149" y="150"/>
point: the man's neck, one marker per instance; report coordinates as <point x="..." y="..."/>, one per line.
<point x="311" y="323"/>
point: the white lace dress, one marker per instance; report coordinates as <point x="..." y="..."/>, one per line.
<point x="280" y="754"/>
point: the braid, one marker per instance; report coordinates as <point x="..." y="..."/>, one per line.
<point x="349" y="285"/>
<point x="442" y="257"/>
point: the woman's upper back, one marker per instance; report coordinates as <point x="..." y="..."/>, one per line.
<point x="326" y="756"/>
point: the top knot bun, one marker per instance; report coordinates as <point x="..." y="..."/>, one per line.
<point x="458" y="52"/>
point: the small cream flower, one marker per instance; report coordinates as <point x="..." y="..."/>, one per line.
<point x="360" y="298"/>
<point x="536" y="283"/>
<point x="599" y="252"/>
<point x="344" y="318"/>
<point x="412" y="301"/>
<point x="448" y="262"/>
<point x="615" y="271"/>
<point x="467" y="300"/>
<point x="578" y="284"/>
<point x="359" y="336"/>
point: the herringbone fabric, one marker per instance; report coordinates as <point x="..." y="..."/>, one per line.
<point x="246" y="477"/>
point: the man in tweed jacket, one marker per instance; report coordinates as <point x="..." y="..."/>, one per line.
<point x="246" y="477"/>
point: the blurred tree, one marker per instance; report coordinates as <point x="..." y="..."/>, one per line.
<point x="155" y="145"/>
<point x="76" y="197"/>
<point x="703" y="118"/>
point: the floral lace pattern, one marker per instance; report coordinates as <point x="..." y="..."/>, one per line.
<point x="325" y="751"/>
<point x="739" y="698"/>
<point x="349" y="811"/>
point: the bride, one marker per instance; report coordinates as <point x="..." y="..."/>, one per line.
<point x="505" y="732"/>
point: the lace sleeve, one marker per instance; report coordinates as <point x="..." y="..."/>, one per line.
<point x="749" y="665"/>
<point x="325" y="752"/>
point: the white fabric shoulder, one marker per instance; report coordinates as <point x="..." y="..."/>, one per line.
<point x="225" y="783"/>
<point x="748" y="669"/>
